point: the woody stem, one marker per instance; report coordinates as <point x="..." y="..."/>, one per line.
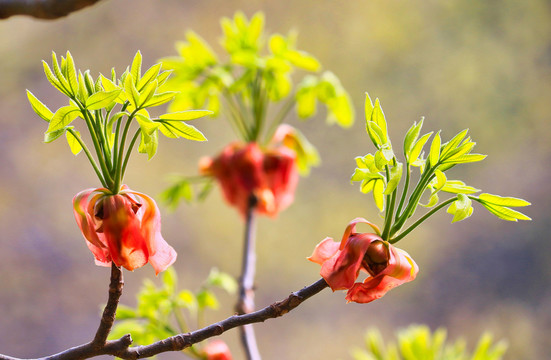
<point x="245" y="304"/>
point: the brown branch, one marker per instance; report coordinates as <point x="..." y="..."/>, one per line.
<point x="120" y="347"/>
<point x="245" y="303"/>
<point x="42" y="9"/>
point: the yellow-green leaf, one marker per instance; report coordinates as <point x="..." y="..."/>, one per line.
<point x="39" y="108"/>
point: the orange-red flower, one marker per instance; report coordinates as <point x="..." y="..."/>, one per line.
<point x="217" y="350"/>
<point x="243" y="170"/>
<point x="342" y="262"/>
<point x="123" y="228"/>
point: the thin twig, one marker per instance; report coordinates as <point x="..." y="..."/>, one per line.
<point x="108" y="316"/>
<point x="42" y="9"/>
<point x="245" y="303"/>
<point x="120" y="347"/>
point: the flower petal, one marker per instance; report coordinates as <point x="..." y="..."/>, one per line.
<point x="341" y="271"/>
<point x="323" y="251"/>
<point x="351" y="229"/>
<point x="401" y="269"/>
<point x="161" y="255"/>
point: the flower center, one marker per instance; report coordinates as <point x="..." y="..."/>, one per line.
<point x="376" y="257"/>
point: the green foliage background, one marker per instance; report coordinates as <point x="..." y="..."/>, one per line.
<point x="484" y="65"/>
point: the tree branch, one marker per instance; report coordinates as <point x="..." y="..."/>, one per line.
<point x="245" y="303"/>
<point x="120" y="347"/>
<point x="42" y="9"/>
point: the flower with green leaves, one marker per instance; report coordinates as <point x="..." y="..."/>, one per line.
<point x="109" y="106"/>
<point x="254" y="88"/>
<point x="381" y="174"/>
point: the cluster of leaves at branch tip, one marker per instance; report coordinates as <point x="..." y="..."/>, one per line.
<point x="255" y="89"/>
<point x="381" y="173"/>
<point x="164" y="311"/>
<point x="419" y="342"/>
<point x="95" y="101"/>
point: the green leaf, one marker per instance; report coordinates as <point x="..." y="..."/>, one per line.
<point x="102" y="99"/>
<point x="131" y="92"/>
<point x="39" y="108"/>
<point x="434" y="154"/>
<point x="418" y="147"/>
<point x="136" y="68"/>
<point x="170" y="279"/>
<point x="185" y="115"/>
<point x="159" y="99"/>
<point x="59" y="75"/>
<point x="175" y="129"/>
<point x="306" y="97"/>
<point x="51" y="136"/>
<point x="149" y="144"/>
<point x="74" y="144"/>
<point x="71" y="74"/>
<point x="125" y="312"/>
<point x="63" y="117"/>
<point x="187" y="299"/>
<point x="453" y="143"/>
<point x="206" y="298"/>
<point x="378" y="117"/>
<point x="411" y="137"/>
<point x="395" y="176"/>
<point x="503" y="201"/>
<point x="222" y="280"/>
<point x="150" y="75"/>
<point x="458" y="187"/>
<point x="181" y="189"/>
<point x="148" y="92"/>
<point x="461" y="208"/>
<point x="378" y="191"/>
<point x="467" y="158"/>
<point x="147" y="125"/>
<point x="505" y="213"/>
<point x="53" y="79"/>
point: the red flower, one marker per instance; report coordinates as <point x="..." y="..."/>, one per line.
<point x="217" y="350"/>
<point x="124" y="228"/>
<point x="243" y="170"/>
<point x="341" y="263"/>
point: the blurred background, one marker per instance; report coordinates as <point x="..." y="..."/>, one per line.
<point x="483" y="65"/>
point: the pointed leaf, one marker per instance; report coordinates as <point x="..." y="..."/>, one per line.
<point x="159" y="99"/>
<point x="71" y="74"/>
<point x="434" y="154"/>
<point x="503" y="201"/>
<point x="74" y="144"/>
<point x="53" y="79"/>
<point x="395" y="176"/>
<point x="39" y="108"/>
<point x="418" y="147"/>
<point x="63" y="117"/>
<point x="149" y="76"/>
<point x="136" y="68"/>
<point x="176" y="129"/>
<point x="131" y="92"/>
<point x="411" y="137"/>
<point x="378" y="190"/>
<point x="185" y="115"/>
<point x="102" y="99"/>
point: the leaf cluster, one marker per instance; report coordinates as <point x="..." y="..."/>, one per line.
<point x="248" y="79"/>
<point x="381" y="173"/>
<point x="164" y="311"/>
<point x="108" y="106"/>
<point x="418" y="342"/>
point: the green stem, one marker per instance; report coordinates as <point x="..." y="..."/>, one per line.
<point x="390" y="203"/>
<point x="280" y="116"/>
<point x="421" y="220"/>
<point x="89" y="156"/>
<point x="129" y="152"/>
<point x="91" y="128"/>
<point x="404" y="191"/>
<point x="413" y="200"/>
<point x="119" y="162"/>
<point x="238" y="123"/>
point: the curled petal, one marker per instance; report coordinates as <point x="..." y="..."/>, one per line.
<point x="326" y="249"/>
<point x="351" y="229"/>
